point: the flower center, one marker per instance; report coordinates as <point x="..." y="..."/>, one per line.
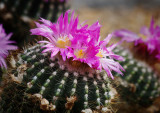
<point x="99" y="54"/>
<point x="80" y="54"/>
<point x="142" y="36"/>
<point x="63" y="42"/>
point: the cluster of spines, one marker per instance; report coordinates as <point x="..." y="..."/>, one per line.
<point x="139" y="76"/>
<point x="44" y="76"/>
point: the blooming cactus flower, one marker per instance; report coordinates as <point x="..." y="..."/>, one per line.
<point x="79" y="42"/>
<point x="5" y="46"/>
<point x="127" y="36"/>
<point x="59" y="34"/>
<point x="106" y="57"/>
<point x="84" y="51"/>
<point x="148" y="36"/>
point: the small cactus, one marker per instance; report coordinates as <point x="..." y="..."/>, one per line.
<point x="56" y="87"/>
<point x="140" y="85"/>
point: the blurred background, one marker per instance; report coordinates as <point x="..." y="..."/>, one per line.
<point x="117" y="14"/>
<point x="112" y="14"/>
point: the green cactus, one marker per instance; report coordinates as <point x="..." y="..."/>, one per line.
<point x="18" y="16"/>
<point x="140" y="84"/>
<point x="56" y="85"/>
<point x="33" y="9"/>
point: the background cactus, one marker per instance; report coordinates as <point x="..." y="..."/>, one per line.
<point x="17" y="16"/>
<point x="33" y="9"/>
<point x="140" y="85"/>
<point x="55" y="86"/>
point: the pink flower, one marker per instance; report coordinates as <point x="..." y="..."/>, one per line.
<point x="152" y="37"/>
<point x="5" y="46"/>
<point x="84" y="51"/>
<point x="127" y="35"/>
<point x="148" y="36"/>
<point x="106" y="57"/>
<point x="78" y="42"/>
<point x="59" y="34"/>
<point x="158" y="56"/>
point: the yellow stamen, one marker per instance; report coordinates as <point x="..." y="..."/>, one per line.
<point x="79" y="54"/>
<point x="99" y="54"/>
<point x="142" y="36"/>
<point x="62" y="43"/>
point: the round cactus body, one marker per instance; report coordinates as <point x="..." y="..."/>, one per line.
<point x="17" y="16"/>
<point x="56" y="85"/>
<point x="140" y="85"/>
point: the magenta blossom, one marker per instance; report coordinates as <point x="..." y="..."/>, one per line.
<point x="148" y="36"/>
<point x="5" y="46"/>
<point x="128" y="36"/>
<point x="106" y="57"/>
<point x="78" y="42"/>
<point x="84" y="51"/>
<point x="60" y="34"/>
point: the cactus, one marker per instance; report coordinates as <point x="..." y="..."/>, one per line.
<point x="57" y="85"/>
<point x="17" y="16"/>
<point x="140" y="85"/>
<point x="33" y="9"/>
